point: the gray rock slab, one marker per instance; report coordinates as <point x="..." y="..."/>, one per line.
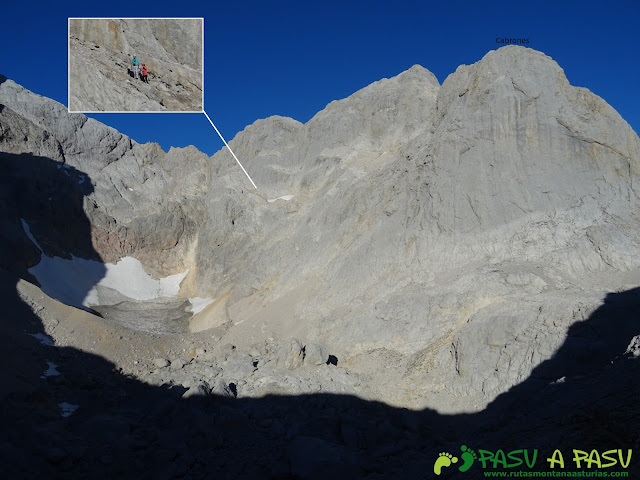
<point x="316" y="354"/>
<point x="291" y="354"/>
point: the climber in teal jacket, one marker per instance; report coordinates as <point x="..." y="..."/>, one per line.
<point x="135" y="62"/>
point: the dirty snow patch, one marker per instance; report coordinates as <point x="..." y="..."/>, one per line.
<point x="198" y="304"/>
<point x="284" y="197"/>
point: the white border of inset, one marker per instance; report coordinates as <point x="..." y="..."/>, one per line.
<point x="129" y="18"/>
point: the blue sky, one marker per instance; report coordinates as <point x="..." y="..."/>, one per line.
<point x="291" y="58"/>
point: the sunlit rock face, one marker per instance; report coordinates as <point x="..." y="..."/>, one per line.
<point x="452" y="233"/>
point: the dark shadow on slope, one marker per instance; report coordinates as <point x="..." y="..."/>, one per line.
<point x="48" y="196"/>
<point x="585" y="396"/>
<point x="44" y="199"/>
<point x="126" y="429"/>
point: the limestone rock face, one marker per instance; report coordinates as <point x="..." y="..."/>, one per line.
<point x="100" y="55"/>
<point x="439" y="240"/>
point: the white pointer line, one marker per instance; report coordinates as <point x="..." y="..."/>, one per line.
<point x="234" y="155"/>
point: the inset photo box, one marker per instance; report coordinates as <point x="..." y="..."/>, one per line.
<point x="136" y="65"/>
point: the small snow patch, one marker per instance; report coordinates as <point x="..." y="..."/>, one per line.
<point x="51" y="371"/>
<point x="198" y="304"/>
<point x="43" y="339"/>
<point x="27" y="230"/>
<point x="67" y="409"/>
<point x="284" y="197"/>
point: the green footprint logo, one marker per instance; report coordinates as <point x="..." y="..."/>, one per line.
<point x="468" y="456"/>
<point x="444" y="460"/>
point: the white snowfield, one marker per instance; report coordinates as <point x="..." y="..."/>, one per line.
<point x="77" y="281"/>
<point x="129" y="278"/>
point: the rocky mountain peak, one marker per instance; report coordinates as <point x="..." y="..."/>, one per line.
<point x="418" y="73"/>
